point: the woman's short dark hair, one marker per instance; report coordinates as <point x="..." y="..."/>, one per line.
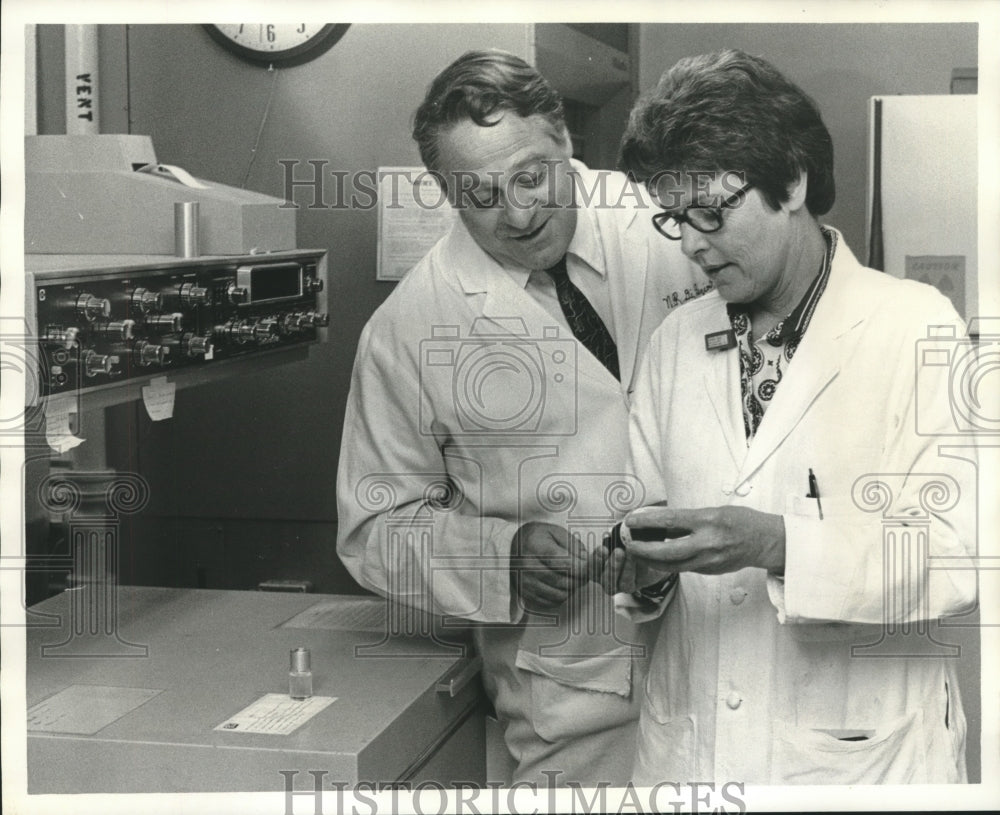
<point x="478" y="86"/>
<point x="730" y="111"/>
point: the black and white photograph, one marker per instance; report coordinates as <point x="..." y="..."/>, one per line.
<point x="568" y="407"/>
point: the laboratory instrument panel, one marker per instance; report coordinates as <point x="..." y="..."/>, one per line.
<point x="101" y="321"/>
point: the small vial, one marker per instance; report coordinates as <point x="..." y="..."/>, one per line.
<point x="300" y="678"/>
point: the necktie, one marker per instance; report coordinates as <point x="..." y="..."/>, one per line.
<point x="585" y="323"/>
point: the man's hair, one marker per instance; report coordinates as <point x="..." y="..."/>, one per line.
<point x="481" y="85"/>
<point x="730" y="111"/>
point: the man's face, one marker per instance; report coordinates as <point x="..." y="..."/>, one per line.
<point x="512" y="187"/>
<point x="747" y="258"/>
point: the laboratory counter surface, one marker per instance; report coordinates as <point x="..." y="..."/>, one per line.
<point x="187" y="690"/>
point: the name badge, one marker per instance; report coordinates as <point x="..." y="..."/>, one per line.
<point x="720" y="340"/>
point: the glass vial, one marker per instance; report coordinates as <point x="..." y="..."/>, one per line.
<point x="300" y="678"/>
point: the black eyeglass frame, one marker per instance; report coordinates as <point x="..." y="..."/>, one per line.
<point x="660" y="218"/>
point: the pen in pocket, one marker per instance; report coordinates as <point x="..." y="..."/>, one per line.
<point x="814" y="492"/>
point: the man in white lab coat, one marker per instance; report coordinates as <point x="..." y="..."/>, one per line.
<point x="484" y="444"/>
<point x="785" y="421"/>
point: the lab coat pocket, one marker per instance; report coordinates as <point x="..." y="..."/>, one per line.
<point x="802" y="505"/>
<point x="893" y="753"/>
<point x="666" y="748"/>
<point x="574" y="696"/>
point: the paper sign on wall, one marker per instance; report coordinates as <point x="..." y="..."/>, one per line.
<point x="413" y="214"/>
<point x="945" y="272"/>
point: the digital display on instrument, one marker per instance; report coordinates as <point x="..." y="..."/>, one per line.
<point x="270" y="282"/>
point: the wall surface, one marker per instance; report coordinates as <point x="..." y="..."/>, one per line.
<point x="841" y="66"/>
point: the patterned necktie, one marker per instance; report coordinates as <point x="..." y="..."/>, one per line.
<point x="585" y="323"/>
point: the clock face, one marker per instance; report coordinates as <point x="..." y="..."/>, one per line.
<point x="279" y="43"/>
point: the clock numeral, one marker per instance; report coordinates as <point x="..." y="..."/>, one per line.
<point x="292" y="43"/>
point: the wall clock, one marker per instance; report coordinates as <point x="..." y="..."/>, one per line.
<point x="277" y="43"/>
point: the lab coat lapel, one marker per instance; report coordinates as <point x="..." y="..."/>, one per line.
<point x="494" y="294"/>
<point x="829" y="338"/>
<point x="722" y="381"/>
<point x="512" y="311"/>
<point x="627" y="298"/>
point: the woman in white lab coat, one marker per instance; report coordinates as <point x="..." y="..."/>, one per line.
<point x="792" y="420"/>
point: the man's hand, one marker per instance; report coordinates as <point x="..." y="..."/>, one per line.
<point x="618" y="571"/>
<point x="613" y="571"/>
<point x="722" y="539"/>
<point x="546" y="565"/>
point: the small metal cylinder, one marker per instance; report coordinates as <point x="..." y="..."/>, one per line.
<point x="186" y="229"/>
<point x="299" y="659"/>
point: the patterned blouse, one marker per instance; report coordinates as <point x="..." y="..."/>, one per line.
<point x="764" y="361"/>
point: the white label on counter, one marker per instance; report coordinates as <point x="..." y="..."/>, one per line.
<point x="276" y="713"/>
<point x="85" y="709"/>
<point x="344" y="614"/>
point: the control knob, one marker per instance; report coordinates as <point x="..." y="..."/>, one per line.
<point x="195" y="345"/>
<point x="291" y="323"/>
<point x="166" y="322"/>
<point x="143" y="301"/>
<point x="245" y="332"/>
<point x="226" y="331"/>
<point x="92" y="308"/>
<point x="66" y="337"/>
<point x="94" y="363"/>
<point x="189" y="344"/>
<point x="116" y="330"/>
<point x="312" y="319"/>
<point x="265" y="330"/>
<point x="312" y="284"/>
<point x="238" y="295"/>
<point x="147" y="353"/>
<point x="191" y="295"/>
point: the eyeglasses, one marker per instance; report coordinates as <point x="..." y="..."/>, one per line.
<point x="703" y="218"/>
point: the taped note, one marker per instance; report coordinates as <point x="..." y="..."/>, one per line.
<point x="158" y="397"/>
<point x="59" y="431"/>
